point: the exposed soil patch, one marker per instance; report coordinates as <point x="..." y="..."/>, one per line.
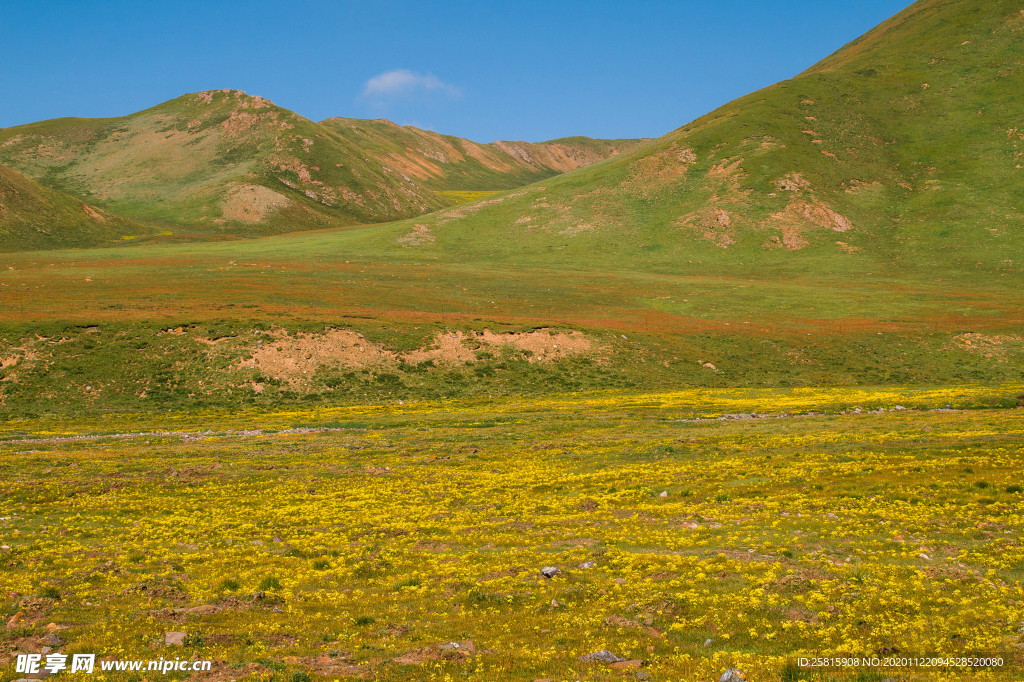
<point x="326" y="666"/>
<point x="992" y="347"/>
<point x="420" y="234"/>
<point x="855" y="186"/>
<point x="468" y="209"/>
<point x="12" y="360"/>
<point x="419" y="656"/>
<point x="729" y="168"/>
<point x="800" y="216"/>
<point x="616" y="621"/>
<point x="651" y="174"/>
<point x="33" y="610"/>
<point x="252" y="203"/>
<point x="95" y="215"/>
<point x="710" y="223"/>
<point x="156" y="589"/>
<point x="799" y="581"/>
<point x="20" y="358"/>
<point x="574" y="230"/>
<point x="295" y="359"/>
<point x="793" y="182"/>
<point x="822" y="215"/>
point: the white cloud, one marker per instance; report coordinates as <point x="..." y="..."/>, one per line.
<point x="403" y="83"/>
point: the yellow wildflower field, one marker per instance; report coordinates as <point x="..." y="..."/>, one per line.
<point x="408" y="542"/>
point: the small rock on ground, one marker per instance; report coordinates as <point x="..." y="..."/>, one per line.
<point x="175" y="638"/>
<point x="549" y="571"/>
<point x="602" y="656"/>
<point x="204" y="610"/>
<point x="733" y="675"/>
<point x="52" y="640"/>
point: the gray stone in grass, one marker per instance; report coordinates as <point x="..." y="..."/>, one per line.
<point x="549" y="571"/>
<point x="602" y="656"/>
<point x="707" y="642"/>
<point x="733" y="675"/>
<point x="588" y="564"/>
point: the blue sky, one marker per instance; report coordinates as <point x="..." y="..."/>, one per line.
<point x="483" y="70"/>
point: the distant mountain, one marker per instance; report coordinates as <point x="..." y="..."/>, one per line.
<point x="901" y="153"/>
<point x="226" y="162"/>
<point x="444" y="162"/>
<point x="34" y="217"/>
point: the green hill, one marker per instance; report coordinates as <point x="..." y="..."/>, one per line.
<point x="224" y="162"/>
<point x="34" y="217"/>
<point x="899" y="156"/>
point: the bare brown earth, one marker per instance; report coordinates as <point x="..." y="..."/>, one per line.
<point x="295" y="359"/>
<point x="989" y="346"/>
<point x="251" y="203"/>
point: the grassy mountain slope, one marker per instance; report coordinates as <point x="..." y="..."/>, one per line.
<point x="34" y="217"/>
<point x="226" y="162"/>
<point x="900" y="156"/>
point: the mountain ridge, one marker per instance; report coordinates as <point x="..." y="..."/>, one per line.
<point x="225" y="162"/>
